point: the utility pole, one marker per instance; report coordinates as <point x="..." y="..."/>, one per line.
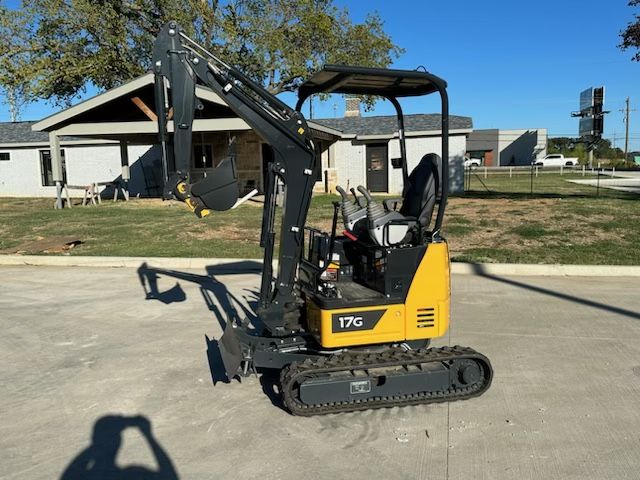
<point x="627" y="110"/>
<point x="626" y="121"/>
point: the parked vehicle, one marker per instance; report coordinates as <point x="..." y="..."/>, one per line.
<point x="556" y="160"/>
<point x="472" y="162"/>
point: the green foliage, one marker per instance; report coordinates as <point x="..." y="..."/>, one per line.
<point x="631" y="35"/>
<point x="281" y="42"/>
<point x="572" y="147"/>
<point x="569" y="147"/>
<point x="105" y="43"/>
<point x="16" y="55"/>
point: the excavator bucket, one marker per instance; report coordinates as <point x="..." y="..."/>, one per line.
<point x="219" y="190"/>
<point x="230" y="351"/>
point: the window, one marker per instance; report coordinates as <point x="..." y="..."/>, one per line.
<point x="202" y="156"/>
<point x="46" y="168"/>
<point x="5" y="156"/>
<point x="320" y="146"/>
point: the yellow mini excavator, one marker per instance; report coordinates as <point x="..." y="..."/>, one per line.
<point x="349" y="314"/>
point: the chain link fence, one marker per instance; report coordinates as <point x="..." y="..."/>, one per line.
<point x="579" y="181"/>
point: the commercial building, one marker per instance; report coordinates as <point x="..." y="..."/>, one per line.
<point x="503" y="148"/>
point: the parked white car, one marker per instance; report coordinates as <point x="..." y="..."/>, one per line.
<point x="472" y="162"/>
<point x="556" y="160"/>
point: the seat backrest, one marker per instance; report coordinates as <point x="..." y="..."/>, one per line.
<point x="424" y="183"/>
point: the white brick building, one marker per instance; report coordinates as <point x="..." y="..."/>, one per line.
<point x="111" y="138"/>
<point x="26" y="169"/>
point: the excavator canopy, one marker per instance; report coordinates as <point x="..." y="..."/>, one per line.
<point x="371" y="81"/>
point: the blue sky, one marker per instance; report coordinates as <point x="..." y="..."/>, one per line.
<point x="508" y="64"/>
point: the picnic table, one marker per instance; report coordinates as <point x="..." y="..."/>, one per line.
<point x="117" y="185"/>
<point x="92" y="192"/>
<point x="89" y="193"/>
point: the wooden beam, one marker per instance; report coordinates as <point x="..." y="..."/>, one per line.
<point x="146" y="110"/>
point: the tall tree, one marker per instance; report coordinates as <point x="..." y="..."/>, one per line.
<point x="279" y="42"/>
<point x="631" y="35"/>
<point x="276" y="42"/>
<point x="100" y="42"/>
<point x="15" y="57"/>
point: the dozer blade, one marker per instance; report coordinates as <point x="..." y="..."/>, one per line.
<point x="230" y="351"/>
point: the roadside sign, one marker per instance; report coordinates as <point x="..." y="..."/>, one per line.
<point x="591" y="114"/>
<point x="586" y="100"/>
<point x="586" y="127"/>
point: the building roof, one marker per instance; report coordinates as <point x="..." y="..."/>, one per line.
<point x="70" y="114"/>
<point x="20" y="132"/>
<point x="388" y="124"/>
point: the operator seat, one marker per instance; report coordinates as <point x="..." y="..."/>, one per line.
<point x="388" y="227"/>
<point x="424" y="184"/>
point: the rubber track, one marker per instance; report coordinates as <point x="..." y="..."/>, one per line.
<point x="298" y="371"/>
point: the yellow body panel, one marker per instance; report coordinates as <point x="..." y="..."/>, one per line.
<point x="425" y="313"/>
<point x="427" y="303"/>
<point x="389" y="328"/>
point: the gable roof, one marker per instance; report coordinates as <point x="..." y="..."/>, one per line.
<point x="67" y="115"/>
<point x="388" y="124"/>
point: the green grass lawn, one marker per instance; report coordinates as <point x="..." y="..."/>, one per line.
<point x="561" y="222"/>
<point x="143" y="227"/>
<point x="547" y="183"/>
<point x="496" y="226"/>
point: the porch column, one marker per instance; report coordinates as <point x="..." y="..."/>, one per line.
<point x="56" y="166"/>
<point x="124" y="161"/>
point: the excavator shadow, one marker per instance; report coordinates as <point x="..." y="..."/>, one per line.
<point x="480" y="271"/>
<point x="226" y="306"/>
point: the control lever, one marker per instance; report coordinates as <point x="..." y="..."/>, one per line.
<point x="386" y="228"/>
<point x="351" y="212"/>
<point x="375" y="211"/>
<point x="355" y="196"/>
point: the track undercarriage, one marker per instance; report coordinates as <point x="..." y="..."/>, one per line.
<point x="393" y="377"/>
<point x="317" y="383"/>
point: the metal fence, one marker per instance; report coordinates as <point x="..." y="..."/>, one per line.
<point x="552" y="181"/>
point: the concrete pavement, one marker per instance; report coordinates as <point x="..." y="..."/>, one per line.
<point x="85" y="355"/>
<point x="200" y="263"/>
<point x="623" y="181"/>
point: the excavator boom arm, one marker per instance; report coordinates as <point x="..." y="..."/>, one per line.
<point x="182" y="63"/>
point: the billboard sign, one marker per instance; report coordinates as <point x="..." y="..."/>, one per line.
<point x="586" y="126"/>
<point x="591" y="127"/>
<point x="591" y="113"/>
<point x="598" y="100"/>
<point x="586" y="100"/>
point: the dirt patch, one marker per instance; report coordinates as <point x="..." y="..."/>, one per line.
<point x="44" y="245"/>
<point x="228" y="232"/>
<point x="497" y="223"/>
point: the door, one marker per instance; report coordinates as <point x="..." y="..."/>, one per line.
<point x="488" y="159"/>
<point x="377" y="166"/>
